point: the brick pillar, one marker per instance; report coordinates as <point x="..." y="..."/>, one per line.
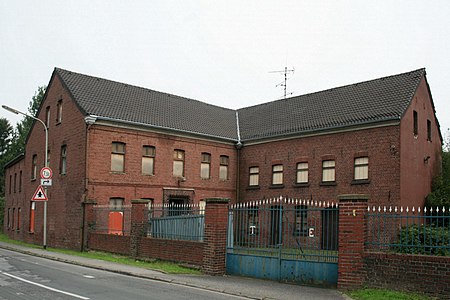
<point x="352" y="226"/>
<point x="216" y="222"/>
<point x="139" y="219"/>
<point x="88" y="222"/>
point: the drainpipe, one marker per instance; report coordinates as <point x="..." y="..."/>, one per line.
<point x="238" y="146"/>
<point x="89" y="121"/>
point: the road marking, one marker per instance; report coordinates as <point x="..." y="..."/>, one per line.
<point x="88" y="276"/>
<point x="46" y="287"/>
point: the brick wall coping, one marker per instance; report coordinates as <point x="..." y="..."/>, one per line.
<point x="353" y="197"/>
<point x="217" y="200"/>
<point x="406" y="257"/>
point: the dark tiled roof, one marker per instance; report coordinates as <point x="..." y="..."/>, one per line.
<point x="106" y="98"/>
<point x="371" y="101"/>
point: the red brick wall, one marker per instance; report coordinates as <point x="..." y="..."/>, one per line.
<point x="418" y="173"/>
<point x="109" y="243"/>
<point x="103" y="184"/>
<point x="178" y="251"/>
<point x="64" y="215"/>
<point x="416" y="273"/>
<point x="15" y="201"/>
<point x="381" y="145"/>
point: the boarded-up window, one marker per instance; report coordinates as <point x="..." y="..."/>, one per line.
<point x="178" y="163"/>
<point x="361" y="168"/>
<point x="302" y="172"/>
<point x="223" y="168"/>
<point x="254" y="176"/>
<point x="148" y="160"/>
<point x="205" y="166"/>
<point x="118" y="157"/>
<point x="328" y="170"/>
<point x="277" y="174"/>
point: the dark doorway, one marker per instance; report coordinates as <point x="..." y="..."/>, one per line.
<point x="177" y="205"/>
<point x="330" y="223"/>
<point x="275" y="217"/>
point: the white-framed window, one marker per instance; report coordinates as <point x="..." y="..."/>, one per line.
<point x="277" y="174"/>
<point x="34" y="167"/>
<point x="148" y="160"/>
<point x="118" y="157"/>
<point x="223" y="168"/>
<point x="63" y="160"/>
<point x="178" y="163"/>
<point x="302" y="172"/>
<point x="47" y="116"/>
<point x="361" y="168"/>
<point x="205" y="166"/>
<point x="59" y="111"/>
<point x="328" y="171"/>
<point x="253" y="176"/>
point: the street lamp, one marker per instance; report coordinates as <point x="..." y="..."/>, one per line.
<point x="15" y="111"/>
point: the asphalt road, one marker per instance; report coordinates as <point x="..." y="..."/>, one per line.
<point x="28" y="277"/>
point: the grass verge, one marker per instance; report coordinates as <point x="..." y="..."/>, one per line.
<point x="158" y="265"/>
<point x="375" y="294"/>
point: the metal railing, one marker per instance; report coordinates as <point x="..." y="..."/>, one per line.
<point x="408" y="230"/>
<point x="176" y="222"/>
<point x="285" y="228"/>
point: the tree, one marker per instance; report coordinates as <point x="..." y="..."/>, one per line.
<point x="6" y="134"/>
<point x="440" y="191"/>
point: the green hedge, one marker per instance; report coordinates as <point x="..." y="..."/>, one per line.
<point x="424" y="239"/>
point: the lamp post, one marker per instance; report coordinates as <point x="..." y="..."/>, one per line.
<point x="15" y="111"/>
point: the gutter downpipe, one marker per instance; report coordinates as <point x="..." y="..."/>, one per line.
<point x="238" y="158"/>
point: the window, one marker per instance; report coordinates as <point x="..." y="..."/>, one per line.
<point x="34" y="167"/>
<point x="223" y="168"/>
<point x="9" y="218"/>
<point x="301" y="220"/>
<point x="328" y="170"/>
<point x="20" y="181"/>
<point x="15" y="182"/>
<point x="148" y="160"/>
<point x="32" y="210"/>
<point x="115" y="216"/>
<point x="416" y="123"/>
<point x="63" y="160"/>
<point x="118" y="157"/>
<point x="361" y="168"/>
<point x="302" y="172"/>
<point x="253" y="176"/>
<point x="253" y="220"/>
<point x="428" y="130"/>
<point x="277" y="174"/>
<point x="12" y="218"/>
<point x="59" y="111"/>
<point x="47" y="116"/>
<point x="178" y="163"/>
<point x="205" y="166"/>
<point x="10" y="183"/>
<point x="18" y="219"/>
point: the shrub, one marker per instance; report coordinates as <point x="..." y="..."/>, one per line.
<point x="424" y="239"/>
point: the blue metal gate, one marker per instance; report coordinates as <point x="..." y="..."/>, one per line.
<point x="284" y="239"/>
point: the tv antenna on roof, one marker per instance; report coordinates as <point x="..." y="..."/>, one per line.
<point x="286" y="71"/>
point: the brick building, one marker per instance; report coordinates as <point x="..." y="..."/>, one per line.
<point x="110" y="143"/>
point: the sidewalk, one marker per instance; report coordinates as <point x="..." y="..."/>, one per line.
<point x="234" y="285"/>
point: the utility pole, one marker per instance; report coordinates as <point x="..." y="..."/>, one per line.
<point x="286" y="71"/>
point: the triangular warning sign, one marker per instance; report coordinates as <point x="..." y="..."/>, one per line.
<point x="39" y="195"/>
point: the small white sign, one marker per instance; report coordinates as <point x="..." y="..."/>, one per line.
<point x="311" y="232"/>
<point x="46" y="182"/>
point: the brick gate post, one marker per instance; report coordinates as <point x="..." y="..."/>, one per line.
<point x="352" y="228"/>
<point x="139" y="219"/>
<point x="216" y="222"/>
<point x="88" y="221"/>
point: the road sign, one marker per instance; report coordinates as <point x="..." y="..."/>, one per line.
<point x="46" y="182"/>
<point x="46" y="173"/>
<point x="39" y="195"/>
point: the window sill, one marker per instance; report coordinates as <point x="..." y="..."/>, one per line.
<point x="360" y="181"/>
<point x="112" y="172"/>
<point x="328" y="183"/>
<point x="301" y="185"/>
<point x="276" y="186"/>
<point x="58" y="123"/>
<point x="253" y="187"/>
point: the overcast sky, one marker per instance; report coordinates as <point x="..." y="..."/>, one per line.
<point x="223" y="52"/>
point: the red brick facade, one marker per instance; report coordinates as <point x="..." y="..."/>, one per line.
<point x="399" y="171"/>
